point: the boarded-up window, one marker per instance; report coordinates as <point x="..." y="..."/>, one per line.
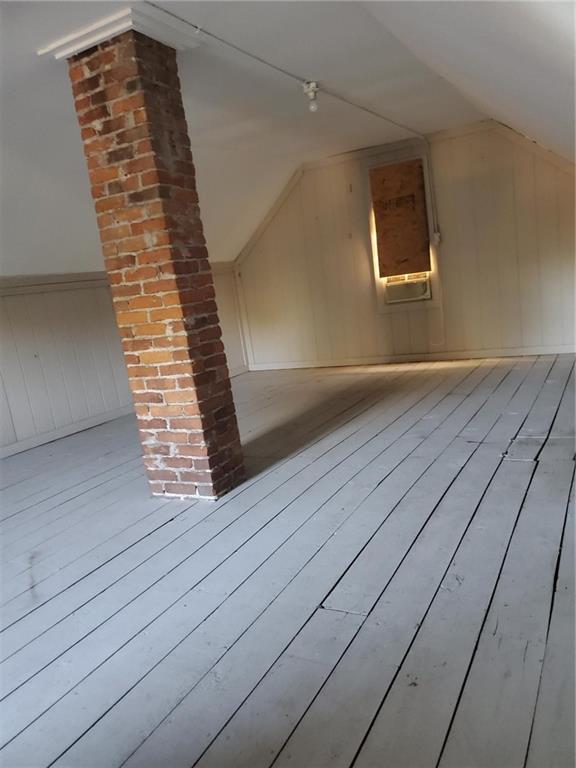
<point x="400" y="218"/>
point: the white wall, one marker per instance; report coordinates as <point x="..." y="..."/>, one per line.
<point x="505" y="269"/>
<point x="61" y="366"/>
<point x="227" y="300"/>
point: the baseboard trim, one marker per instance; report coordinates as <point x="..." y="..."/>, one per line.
<point x="238" y="370"/>
<point x="416" y="358"/>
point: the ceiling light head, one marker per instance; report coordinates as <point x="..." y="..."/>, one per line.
<point x="310" y="88"/>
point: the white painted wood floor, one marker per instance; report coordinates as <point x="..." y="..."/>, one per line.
<point x="392" y="587"/>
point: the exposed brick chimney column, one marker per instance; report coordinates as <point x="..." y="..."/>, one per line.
<point x="129" y="106"/>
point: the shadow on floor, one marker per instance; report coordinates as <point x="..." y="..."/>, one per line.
<point x="314" y="417"/>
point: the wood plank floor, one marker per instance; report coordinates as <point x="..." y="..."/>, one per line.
<point x="393" y="586"/>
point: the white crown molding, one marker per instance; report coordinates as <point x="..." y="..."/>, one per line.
<point x="143" y="17"/>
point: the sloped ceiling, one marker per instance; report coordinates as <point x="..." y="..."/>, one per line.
<point x="513" y="60"/>
<point x="249" y="124"/>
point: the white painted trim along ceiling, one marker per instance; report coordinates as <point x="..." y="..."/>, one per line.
<point x="430" y="66"/>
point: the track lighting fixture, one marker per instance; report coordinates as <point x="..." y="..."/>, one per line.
<point x="310" y="88"/>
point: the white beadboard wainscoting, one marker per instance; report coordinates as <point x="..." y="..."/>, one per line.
<point x="61" y="360"/>
<point x="228" y="312"/>
<point x="503" y="281"/>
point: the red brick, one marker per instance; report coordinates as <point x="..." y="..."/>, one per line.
<point x="154" y="423"/>
<point x="165" y="410"/>
<point x="181" y="396"/>
<point x="131" y="318"/>
<point x="162" y="474"/>
<point x="155" y="356"/>
<point x="181" y="489"/>
<point x="137" y="150"/>
<point x="176" y="369"/>
<point x="136" y="101"/>
<point x="139" y="274"/>
<point x="120" y="262"/>
<point x="114" y="233"/>
<point x="120" y="291"/>
<point x="142" y="371"/>
<point x="133" y="244"/>
<point x="161" y="383"/>
<point x="101" y="175"/>
<point x="164" y="314"/>
<point x="186" y="424"/>
<point x="172" y="437"/>
<point x="110" y="203"/>
<point x="155" y="256"/>
<point x="145" y="302"/>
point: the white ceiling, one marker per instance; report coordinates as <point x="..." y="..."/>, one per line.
<point x="513" y="60"/>
<point x="249" y="125"/>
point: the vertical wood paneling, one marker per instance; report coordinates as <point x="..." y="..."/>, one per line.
<point x="528" y="247"/>
<point x="315" y="248"/>
<point x="418" y="324"/>
<point x="278" y="300"/>
<point x="114" y="350"/>
<point x="60" y="321"/>
<point x="566" y="211"/>
<point x="96" y="342"/>
<point x="506" y="261"/>
<point x="13" y="377"/>
<point x="7" y="431"/>
<point x="401" y="333"/>
<point x="83" y="340"/>
<point x="61" y="362"/>
<point x="327" y="256"/>
<point x="228" y="312"/>
<point x="485" y="233"/>
<point x="505" y="245"/>
<point x="465" y="297"/>
<point x="549" y="252"/>
<point x="28" y="359"/>
<point x="54" y="377"/>
<point x="449" y="184"/>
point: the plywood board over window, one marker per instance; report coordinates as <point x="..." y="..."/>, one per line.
<point x="400" y="218"/>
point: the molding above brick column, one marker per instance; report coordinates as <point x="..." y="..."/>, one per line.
<point x="151" y="21"/>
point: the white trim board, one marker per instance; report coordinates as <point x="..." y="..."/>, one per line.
<point x="10" y="284"/>
<point x="493" y="125"/>
<point x="72" y="281"/>
<point x="473" y="354"/>
<point x="142" y="17"/>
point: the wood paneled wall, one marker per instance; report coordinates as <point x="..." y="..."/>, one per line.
<point x="507" y="214"/>
<point x="228" y="312"/>
<point x="504" y="281"/>
<point x="62" y="368"/>
<point x="62" y="365"/>
<point x="504" y="284"/>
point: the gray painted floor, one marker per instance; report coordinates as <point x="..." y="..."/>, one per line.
<point x="393" y="586"/>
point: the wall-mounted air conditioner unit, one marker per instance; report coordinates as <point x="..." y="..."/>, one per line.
<point x="403" y="288"/>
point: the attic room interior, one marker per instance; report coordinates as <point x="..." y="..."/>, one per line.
<point x="287" y="384"/>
